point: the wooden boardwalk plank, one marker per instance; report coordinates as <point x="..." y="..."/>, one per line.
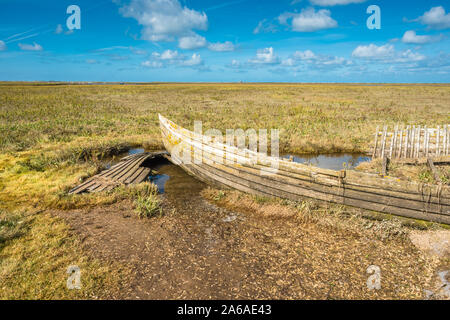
<point x="128" y="170"/>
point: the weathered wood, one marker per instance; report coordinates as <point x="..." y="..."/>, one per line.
<point x="418" y="143"/>
<point x="383" y="143"/>
<point x="252" y="172"/>
<point x="394" y="143"/>
<point x="434" y="170"/>
<point x="375" y="145"/>
<point x="399" y="154"/>
<point x="384" y="167"/>
<point x="128" y="171"/>
<point x="411" y="142"/>
<point x="438" y="135"/>
<point x="434" y="205"/>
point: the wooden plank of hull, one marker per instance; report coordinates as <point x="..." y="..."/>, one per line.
<point x="344" y="189"/>
<point x="352" y="177"/>
<point x="295" y="182"/>
<point x="295" y="194"/>
<point x="321" y="182"/>
<point x="426" y="201"/>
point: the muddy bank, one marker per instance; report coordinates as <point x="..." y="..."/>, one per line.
<point x="223" y="248"/>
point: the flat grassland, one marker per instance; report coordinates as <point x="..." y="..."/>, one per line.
<point x="52" y="136"/>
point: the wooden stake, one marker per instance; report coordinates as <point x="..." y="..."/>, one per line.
<point x="376" y="143"/>
<point x="437" y="139"/>
<point x="399" y="154"/>
<point x="444" y="145"/>
<point x="384" y="168"/>
<point x="418" y="144"/>
<point x="405" y="155"/>
<point x="394" y="142"/>
<point x="383" y="144"/>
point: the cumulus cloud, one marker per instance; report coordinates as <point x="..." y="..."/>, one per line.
<point x="309" y="20"/>
<point x="329" y="3"/>
<point x="221" y="47"/>
<point x="373" y="51"/>
<point x="168" y="55"/>
<point x="164" y="20"/>
<point x="192" y="42"/>
<point x="195" y="60"/>
<point x="264" y="56"/>
<point x="319" y="60"/>
<point x="2" y="46"/>
<point x="386" y="54"/>
<point x="172" y="57"/>
<point x="305" y="55"/>
<point x="435" y="18"/>
<point x="30" y="47"/>
<point x="411" y="37"/>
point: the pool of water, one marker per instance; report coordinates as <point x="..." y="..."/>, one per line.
<point x="331" y="161"/>
<point x="135" y="151"/>
<point x="160" y="181"/>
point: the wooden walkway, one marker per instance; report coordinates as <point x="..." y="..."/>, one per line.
<point x="412" y="142"/>
<point x="128" y="171"/>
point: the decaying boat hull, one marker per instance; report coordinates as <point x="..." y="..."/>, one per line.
<point x="251" y="172"/>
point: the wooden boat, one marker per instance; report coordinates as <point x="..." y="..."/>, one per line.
<point x="249" y="171"/>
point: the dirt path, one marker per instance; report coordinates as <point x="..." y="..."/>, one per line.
<point x="198" y="250"/>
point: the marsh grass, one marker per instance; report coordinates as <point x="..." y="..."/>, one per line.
<point x="147" y="201"/>
<point x="12" y="225"/>
<point x="34" y="260"/>
<point x="52" y="137"/>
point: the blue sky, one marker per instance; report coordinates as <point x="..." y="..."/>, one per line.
<point x="228" y="40"/>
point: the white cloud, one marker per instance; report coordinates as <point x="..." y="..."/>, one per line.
<point x="320" y="60"/>
<point x="288" y="62"/>
<point x="409" y="56"/>
<point x="59" y="29"/>
<point x="2" y="46"/>
<point x="164" y="19"/>
<point x="386" y="54"/>
<point x="436" y="18"/>
<point x="265" y="56"/>
<point x="152" y="64"/>
<point x="169" y="55"/>
<point x="304" y="55"/>
<point x="30" y="47"/>
<point x="195" y="60"/>
<point x="329" y="3"/>
<point x="225" y="46"/>
<point x="265" y="26"/>
<point x="309" y="20"/>
<point x="192" y="42"/>
<point x="411" y="37"/>
<point x="373" y="51"/>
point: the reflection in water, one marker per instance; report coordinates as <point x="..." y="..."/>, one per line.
<point x="135" y="151"/>
<point x="331" y="161"/>
<point x="160" y="181"/>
